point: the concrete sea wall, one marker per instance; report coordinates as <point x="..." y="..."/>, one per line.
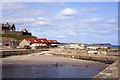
<point x="5" y="53"/>
<point x="110" y="72"/>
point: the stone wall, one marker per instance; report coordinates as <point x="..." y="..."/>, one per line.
<point x="16" y="32"/>
<point x="99" y="58"/>
<point x="5" y="53"/>
<point x="110" y="72"/>
<point x="9" y="44"/>
<point x="11" y="32"/>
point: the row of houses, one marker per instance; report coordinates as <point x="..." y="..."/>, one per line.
<point x="38" y="43"/>
<point x="74" y="46"/>
<point x="82" y="46"/>
<point x="96" y="47"/>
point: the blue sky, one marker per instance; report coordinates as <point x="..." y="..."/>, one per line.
<point x="79" y="22"/>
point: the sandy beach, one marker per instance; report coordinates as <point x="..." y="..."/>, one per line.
<point x="48" y="59"/>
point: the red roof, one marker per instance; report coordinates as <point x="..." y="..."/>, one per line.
<point x="53" y="41"/>
<point x="42" y="40"/>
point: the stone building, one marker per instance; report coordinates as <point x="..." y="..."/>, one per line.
<point x="9" y="43"/>
<point x="8" y="27"/>
<point x="11" y="29"/>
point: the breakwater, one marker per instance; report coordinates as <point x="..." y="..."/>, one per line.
<point x="5" y="53"/>
<point x="110" y="72"/>
<point x="100" y="58"/>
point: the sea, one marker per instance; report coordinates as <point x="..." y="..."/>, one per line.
<point x="111" y="46"/>
<point x="49" y="71"/>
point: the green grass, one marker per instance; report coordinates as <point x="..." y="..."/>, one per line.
<point x="17" y="37"/>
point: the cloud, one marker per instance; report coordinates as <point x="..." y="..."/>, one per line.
<point x="91" y="9"/>
<point x="111" y="21"/>
<point x="21" y="20"/>
<point x="67" y="13"/>
<point x="98" y="20"/>
<point x="72" y="34"/>
<point x="13" y="6"/>
<point x="60" y="36"/>
<point x="20" y="10"/>
<point x="89" y="20"/>
<point x="33" y="12"/>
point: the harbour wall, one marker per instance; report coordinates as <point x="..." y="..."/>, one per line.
<point x="109" y="72"/>
<point x="100" y="58"/>
<point x="6" y="53"/>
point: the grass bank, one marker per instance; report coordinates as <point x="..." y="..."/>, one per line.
<point x="17" y="37"/>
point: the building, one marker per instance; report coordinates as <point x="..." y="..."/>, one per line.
<point x="96" y="47"/>
<point x="97" y="52"/>
<point x="33" y="42"/>
<point x="38" y="43"/>
<point x="11" y="29"/>
<point x="8" y="27"/>
<point x="9" y="43"/>
<point x="53" y="43"/>
<point x="76" y="46"/>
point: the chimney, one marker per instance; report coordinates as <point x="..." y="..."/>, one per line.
<point x="7" y="22"/>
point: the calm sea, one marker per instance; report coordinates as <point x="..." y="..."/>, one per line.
<point x="111" y="46"/>
<point x="49" y="71"/>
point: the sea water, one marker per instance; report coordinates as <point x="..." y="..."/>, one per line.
<point x="48" y="71"/>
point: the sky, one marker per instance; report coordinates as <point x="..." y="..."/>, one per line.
<point x="75" y="22"/>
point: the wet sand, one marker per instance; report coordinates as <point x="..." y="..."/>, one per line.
<point x="48" y="59"/>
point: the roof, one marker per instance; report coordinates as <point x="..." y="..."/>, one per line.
<point x="53" y="41"/>
<point x="42" y="40"/>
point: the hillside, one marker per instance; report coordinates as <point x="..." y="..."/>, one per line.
<point x="16" y="37"/>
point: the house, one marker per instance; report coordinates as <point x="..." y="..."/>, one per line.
<point x="97" y="52"/>
<point x="96" y="47"/>
<point x="53" y="43"/>
<point x="43" y="42"/>
<point x="76" y="46"/>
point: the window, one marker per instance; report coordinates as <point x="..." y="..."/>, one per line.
<point x="35" y="40"/>
<point x="42" y="40"/>
<point x="28" y="41"/>
<point x="6" y="44"/>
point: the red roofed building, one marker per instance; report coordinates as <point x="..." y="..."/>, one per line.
<point x="53" y="43"/>
<point x="29" y="42"/>
<point x="36" y="43"/>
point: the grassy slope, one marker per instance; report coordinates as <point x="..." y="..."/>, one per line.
<point x="17" y="37"/>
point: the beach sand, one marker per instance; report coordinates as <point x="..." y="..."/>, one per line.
<point x="48" y="59"/>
